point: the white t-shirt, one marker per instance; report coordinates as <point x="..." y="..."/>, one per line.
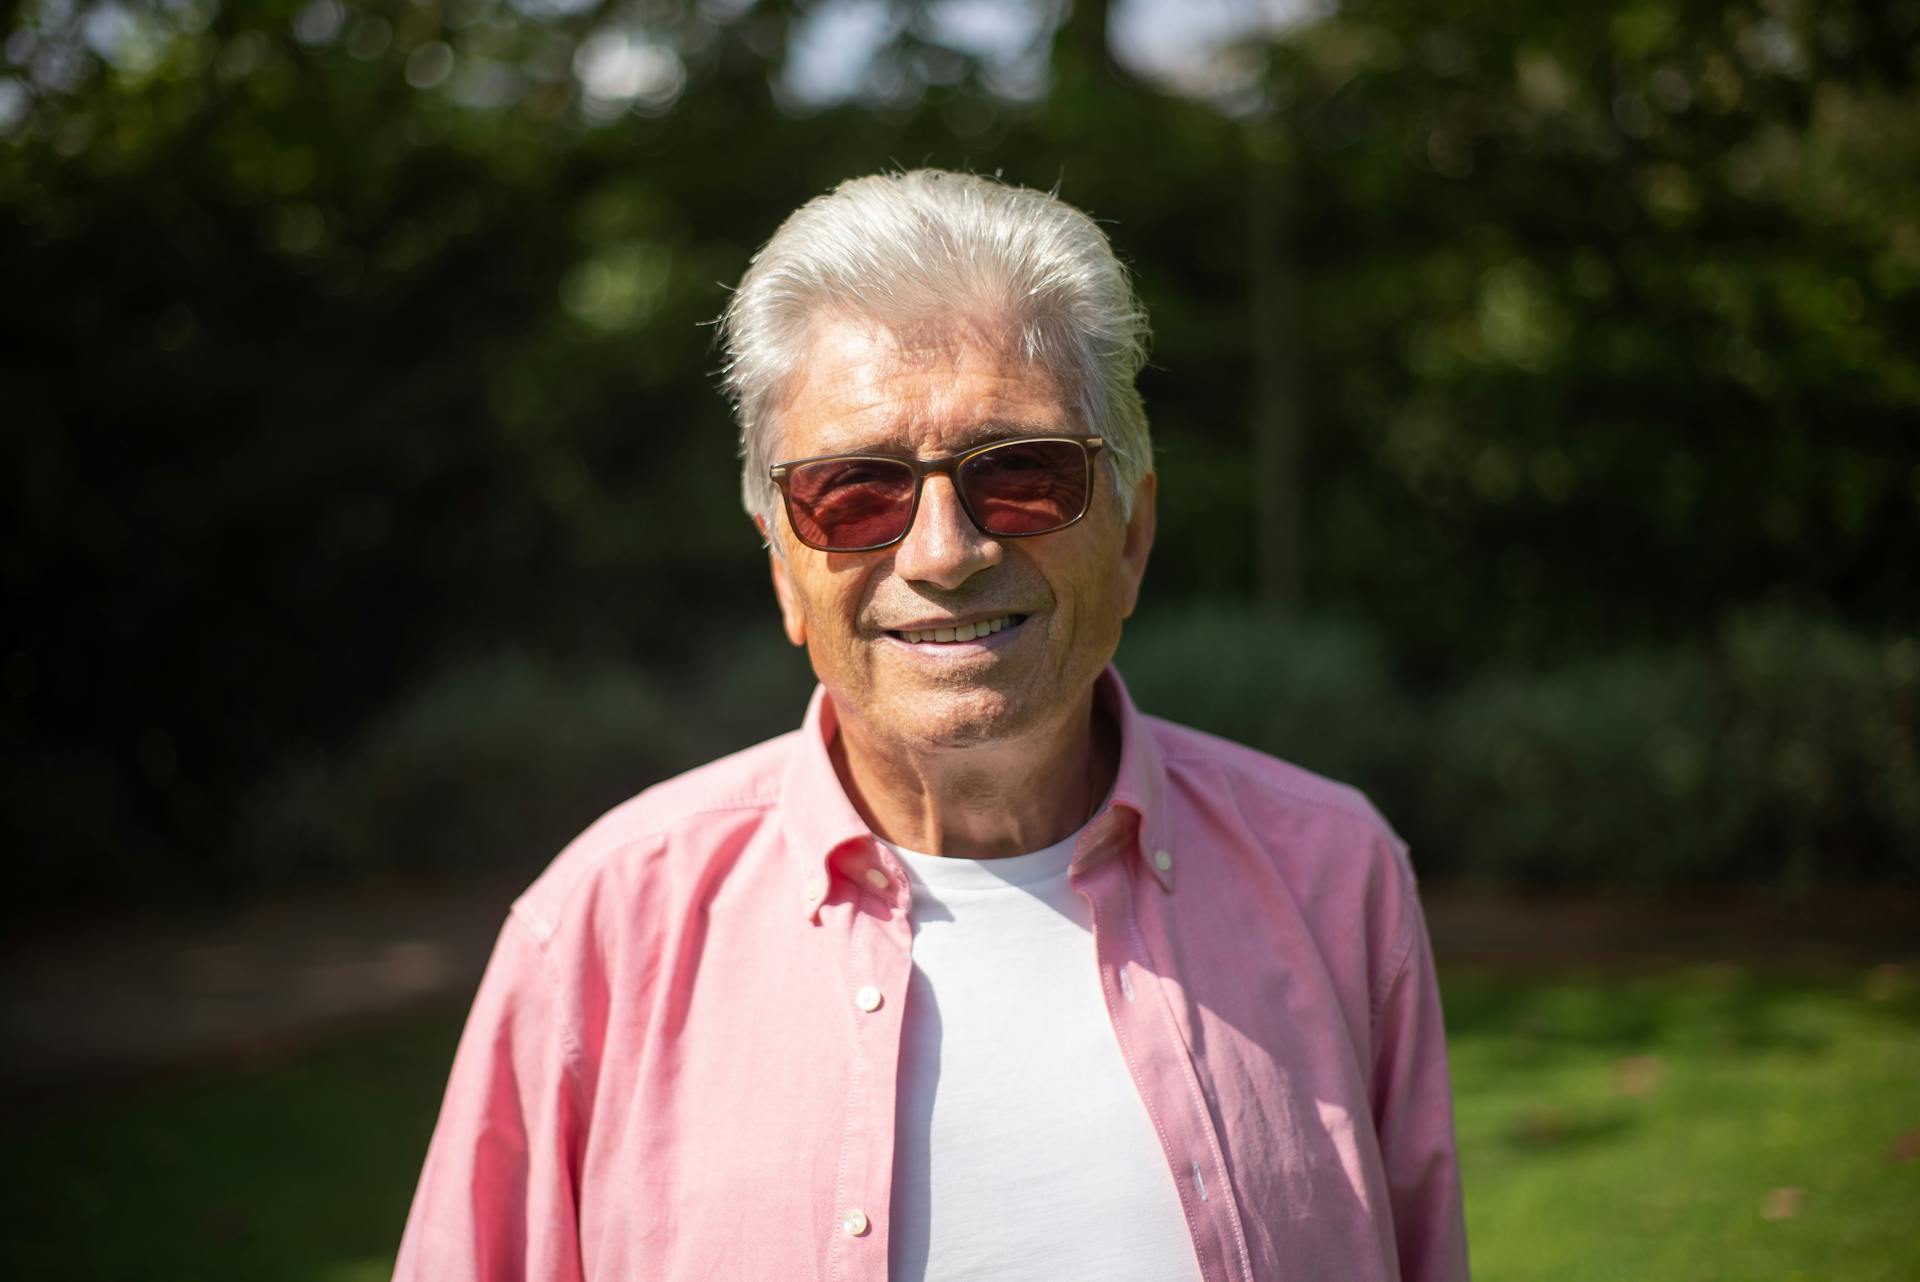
<point x="1022" y="1150"/>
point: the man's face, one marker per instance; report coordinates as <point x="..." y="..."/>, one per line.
<point x="1063" y="594"/>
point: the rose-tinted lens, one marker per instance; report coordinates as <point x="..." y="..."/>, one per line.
<point x="850" y="503"/>
<point x="1026" y="487"/>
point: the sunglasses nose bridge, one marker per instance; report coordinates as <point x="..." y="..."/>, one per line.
<point x="944" y="545"/>
<point x="948" y="470"/>
<point x="940" y="492"/>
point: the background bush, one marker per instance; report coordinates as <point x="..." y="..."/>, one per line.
<point x="494" y="764"/>
<point x="1821" y="726"/>
<point x="484" y="768"/>
<point x="1781" y="751"/>
<point x="1318" y="692"/>
<point x="1603" y="771"/>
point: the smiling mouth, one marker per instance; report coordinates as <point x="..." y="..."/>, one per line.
<point x="961" y="632"/>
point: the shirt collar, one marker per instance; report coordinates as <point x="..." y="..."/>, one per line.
<point x="1135" y="817"/>
<point x="830" y="838"/>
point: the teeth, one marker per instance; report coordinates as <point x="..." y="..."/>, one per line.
<point x="964" y="632"/>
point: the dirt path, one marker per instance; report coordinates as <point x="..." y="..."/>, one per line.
<point x="117" y="1000"/>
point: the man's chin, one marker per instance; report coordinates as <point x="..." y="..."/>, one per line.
<point x="948" y="718"/>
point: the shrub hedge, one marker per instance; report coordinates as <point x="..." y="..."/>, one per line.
<point x="1780" y="749"/>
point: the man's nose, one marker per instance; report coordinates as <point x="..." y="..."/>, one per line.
<point x="944" y="547"/>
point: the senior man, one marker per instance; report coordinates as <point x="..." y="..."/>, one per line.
<point x="981" y="973"/>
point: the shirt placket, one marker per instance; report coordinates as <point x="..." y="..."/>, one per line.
<point x="1140" y="1008"/>
<point x="879" y="966"/>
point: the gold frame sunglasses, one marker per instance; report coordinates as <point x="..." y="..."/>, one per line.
<point x="1004" y="487"/>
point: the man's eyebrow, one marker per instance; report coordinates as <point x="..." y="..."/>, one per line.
<point x="985" y="432"/>
<point x="1002" y="429"/>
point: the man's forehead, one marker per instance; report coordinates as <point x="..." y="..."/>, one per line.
<point x="933" y="345"/>
<point x="863" y="385"/>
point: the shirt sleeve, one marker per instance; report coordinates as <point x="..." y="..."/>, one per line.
<point x="1413" y="1113"/>
<point x="498" y="1195"/>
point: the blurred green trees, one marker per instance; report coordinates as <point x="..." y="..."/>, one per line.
<point x="343" y="342"/>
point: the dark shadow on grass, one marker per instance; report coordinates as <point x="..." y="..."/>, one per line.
<point x="1561" y="1128"/>
<point x="1731" y="1008"/>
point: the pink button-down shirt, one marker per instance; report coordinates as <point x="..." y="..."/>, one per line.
<point x="683" y="1058"/>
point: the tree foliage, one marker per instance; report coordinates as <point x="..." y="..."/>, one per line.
<point x="344" y="339"/>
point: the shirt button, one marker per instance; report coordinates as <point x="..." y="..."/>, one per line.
<point x="877" y="879"/>
<point x="868" y="998"/>
<point x="1163" y="860"/>
<point x="817" y="886"/>
<point x="856" y="1223"/>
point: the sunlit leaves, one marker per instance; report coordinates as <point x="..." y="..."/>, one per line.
<point x="617" y="288"/>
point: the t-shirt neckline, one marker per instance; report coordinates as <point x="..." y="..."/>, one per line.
<point x="944" y="872"/>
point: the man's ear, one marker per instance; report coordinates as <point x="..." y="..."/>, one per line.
<point x="791" y="617"/>
<point x="1136" y="542"/>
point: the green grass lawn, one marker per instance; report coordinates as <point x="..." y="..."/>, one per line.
<point x="1637" y="1128"/>
<point x="1710" y="1124"/>
<point x="299" y="1168"/>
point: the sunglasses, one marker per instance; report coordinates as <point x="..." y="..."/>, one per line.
<point x="1011" y="489"/>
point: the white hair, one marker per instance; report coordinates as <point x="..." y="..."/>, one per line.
<point x="910" y="250"/>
